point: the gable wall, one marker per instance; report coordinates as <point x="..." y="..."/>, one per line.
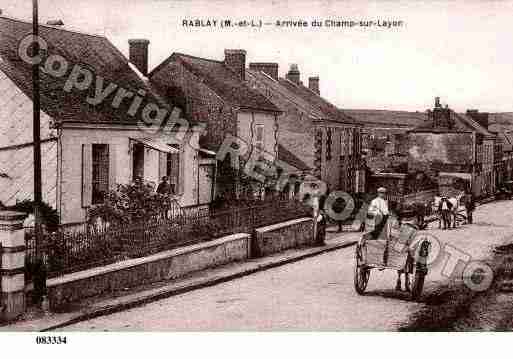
<point x="16" y="129"/>
<point x="16" y="115"/>
<point x="199" y="101"/>
<point x="295" y="129"/>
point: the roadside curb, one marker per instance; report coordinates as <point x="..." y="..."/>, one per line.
<point x="174" y="289"/>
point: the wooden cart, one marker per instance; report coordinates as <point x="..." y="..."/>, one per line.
<point x="396" y="247"/>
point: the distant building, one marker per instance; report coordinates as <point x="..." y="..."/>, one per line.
<point x="384" y="135"/>
<point x="457" y="146"/>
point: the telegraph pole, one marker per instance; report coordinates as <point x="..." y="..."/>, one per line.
<point x="36" y="128"/>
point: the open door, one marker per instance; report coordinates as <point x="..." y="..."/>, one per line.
<point x="205" y="183"/>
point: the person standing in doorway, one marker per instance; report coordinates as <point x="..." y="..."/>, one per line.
<point x="164" y="187"/>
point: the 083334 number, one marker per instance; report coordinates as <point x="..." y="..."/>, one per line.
<point x="51" y="340"/>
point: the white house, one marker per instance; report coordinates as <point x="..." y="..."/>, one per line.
<point x="102" y="123"/>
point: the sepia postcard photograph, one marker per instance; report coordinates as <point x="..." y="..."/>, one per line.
<point x="255" y="166"/>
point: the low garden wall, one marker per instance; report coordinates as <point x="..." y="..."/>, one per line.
<point x="165" y="265"/>
<point x="179" y="262"/>
<point x="282" y="236"/>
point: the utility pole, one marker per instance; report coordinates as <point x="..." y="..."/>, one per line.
<point x="40" y="271"/>
<point x="36" y="128"/>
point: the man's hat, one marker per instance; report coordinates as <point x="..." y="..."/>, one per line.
<point x="382" y="190"/>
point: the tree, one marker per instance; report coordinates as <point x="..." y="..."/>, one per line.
<point x="237" y="188"/>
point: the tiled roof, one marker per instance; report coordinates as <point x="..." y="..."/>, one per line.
<point x="288" y="157"/>
<point x="93" y="52"/>
<point x="294" y="98"/>
<point x="376" y="118"/>
<point x="469" y="121"/>
<point x="222" y="80"/>
<point x="329" y="110"/>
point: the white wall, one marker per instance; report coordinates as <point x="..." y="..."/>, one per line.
<point x="245" y="120"/>
<point x="16" y="115"/>
<point x="16" y="120"/>
<point x="72" y="140"/>
<point x="18" y="165"/>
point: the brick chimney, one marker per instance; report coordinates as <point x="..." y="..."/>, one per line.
<point x="235" y="59"/>
<point x="479" y="117"/>
<point x="293" y="74"/>
<point x="138" y="54"/>
<point x="441" y="116"/>
<point x="313" y="84"/>
<point x="269" y="68"/>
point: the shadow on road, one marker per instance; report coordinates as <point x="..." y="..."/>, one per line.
<point x="389" y="293"/>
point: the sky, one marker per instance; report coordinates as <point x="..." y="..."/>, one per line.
<point x="458" y="50"/>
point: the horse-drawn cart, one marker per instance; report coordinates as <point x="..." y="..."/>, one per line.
<point x="397" y="246"/>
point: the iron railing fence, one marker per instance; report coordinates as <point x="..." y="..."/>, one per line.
<point x="65" y="251"/>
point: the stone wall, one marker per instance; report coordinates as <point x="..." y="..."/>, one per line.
<point x="447" y="151"/>
<point x="282" y="236"/>
<point x="165" y="265"/>
<point x="177" y="263"/>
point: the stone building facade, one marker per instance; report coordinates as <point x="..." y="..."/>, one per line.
<point x="217" y="94"/>
<point x="323" y="137"/>
<point x="455" y="145"/>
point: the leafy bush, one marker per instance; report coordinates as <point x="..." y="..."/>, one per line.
<point x="130" y="203"/>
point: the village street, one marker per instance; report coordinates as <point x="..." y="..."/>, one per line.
<point x="311" y="294"/>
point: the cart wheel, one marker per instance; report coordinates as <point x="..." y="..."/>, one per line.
<point x="361" y="273"/>
<point x="418" y="285"/>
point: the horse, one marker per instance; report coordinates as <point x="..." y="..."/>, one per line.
<point x="457" y="203"/>
<point x="453" y="211"/>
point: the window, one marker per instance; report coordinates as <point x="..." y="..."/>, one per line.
<point x="328" y="144"/>
<point x="173" y="171"/>
<point x="344" y="142"/>
<point x="100" y="172"/>
<point x="138" y="161"/>
<point x="259" y="137"/>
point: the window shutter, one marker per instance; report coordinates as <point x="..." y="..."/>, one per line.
<point x="112" y="167"/>
<point x="87" y="175"/>
<point x="162" y="164"/>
